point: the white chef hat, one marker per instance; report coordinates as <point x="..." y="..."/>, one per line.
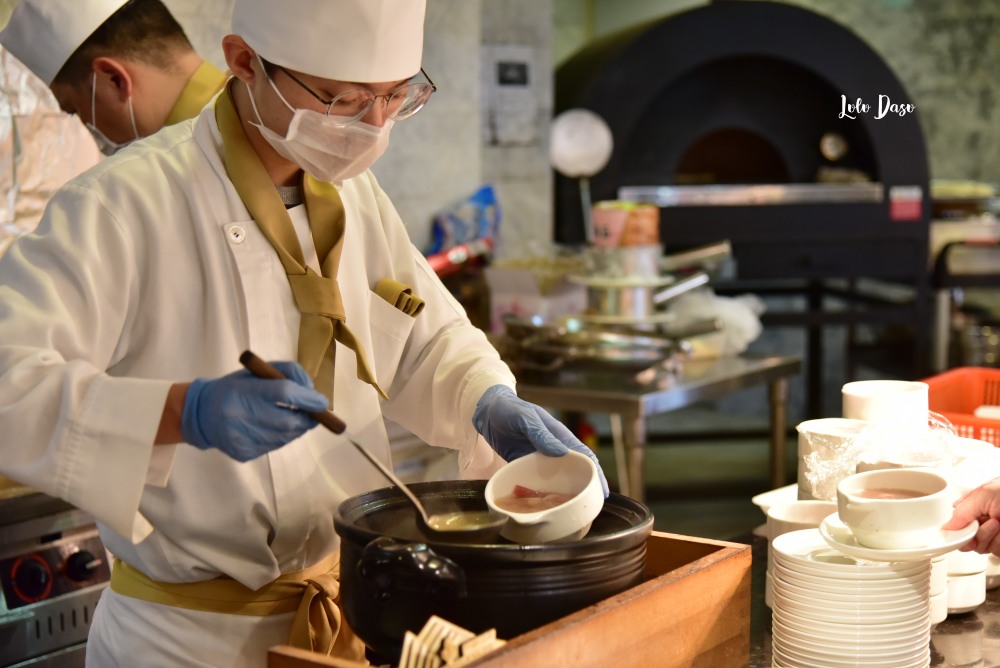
<point x="43" y="34"/>
<point x="367" y="41"/>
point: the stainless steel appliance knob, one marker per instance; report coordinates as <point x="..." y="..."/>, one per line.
<point x="32" y="578"/>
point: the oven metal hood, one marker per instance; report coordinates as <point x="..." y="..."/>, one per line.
<point x="754" y="195"/>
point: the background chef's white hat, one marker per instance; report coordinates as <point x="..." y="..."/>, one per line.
<point x="367" y="41"/>
<point x="43" y="34"/>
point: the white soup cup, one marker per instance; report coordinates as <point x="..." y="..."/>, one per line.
<point x="895" y="523"/>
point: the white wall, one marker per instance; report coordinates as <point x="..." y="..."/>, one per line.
<point x="516" y="160"/>
<point x="435" y="158"/>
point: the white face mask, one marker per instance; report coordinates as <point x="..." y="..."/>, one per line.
<point x="322" y="148"/>
<point x="105" y="145"/>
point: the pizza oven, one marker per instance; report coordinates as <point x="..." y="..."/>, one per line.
<point x="742" y="121"/>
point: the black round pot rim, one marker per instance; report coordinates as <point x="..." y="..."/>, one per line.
<point x="637" y="515"/>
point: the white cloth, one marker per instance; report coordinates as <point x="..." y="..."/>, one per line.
<point x="41" y="148"/>
<point x="43" y="34"/>
<point x="125" y="628"/>
<point x="364" y="41"/>
<point x="147" y="270"/>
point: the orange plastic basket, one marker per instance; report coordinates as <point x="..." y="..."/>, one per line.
<point x="956" y="394"/>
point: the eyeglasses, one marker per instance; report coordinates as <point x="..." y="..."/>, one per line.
<point x="351" y="106"/>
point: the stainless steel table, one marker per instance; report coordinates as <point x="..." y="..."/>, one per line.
<point x="630" y="400"/>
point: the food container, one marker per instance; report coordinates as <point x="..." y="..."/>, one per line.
<point x="394" y="577"/>
<point x="692" y="609"/>
<point x="573" y="475"/>
<point x="634" y="300"/>
<point x="624" y="262"/>
<point x="617" y="223"/>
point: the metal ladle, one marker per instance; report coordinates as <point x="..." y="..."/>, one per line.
<point x="465" y="526"/>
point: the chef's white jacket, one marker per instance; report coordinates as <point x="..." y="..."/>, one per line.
<point x="148" y="270"/>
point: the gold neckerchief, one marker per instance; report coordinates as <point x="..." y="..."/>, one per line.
<point x="317" y="297"/>
<point x="206" y="81"/>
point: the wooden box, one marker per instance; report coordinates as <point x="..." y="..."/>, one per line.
<point x="693" y="610"/>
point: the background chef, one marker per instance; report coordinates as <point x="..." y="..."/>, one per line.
<point x="126" y="68"/>
<point x="256" y="226"/>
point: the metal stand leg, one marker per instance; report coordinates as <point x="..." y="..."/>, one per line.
<point x="635" y="450"/>
<point x="814" y="353"/>
<point x="778" y="397"/>
<point x="942" y="329"/>
<point x="629" y="439"/>
<point x="621" y="461"/>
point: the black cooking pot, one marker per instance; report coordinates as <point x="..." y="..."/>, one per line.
<point x="393" y="577"/>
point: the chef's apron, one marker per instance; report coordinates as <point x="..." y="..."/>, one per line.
<point x="166" y="621"/>
<point x="127" y="633"/>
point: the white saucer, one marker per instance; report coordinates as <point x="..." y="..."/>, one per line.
<point x="806" y="551"/>
<point x="838" y="536"/>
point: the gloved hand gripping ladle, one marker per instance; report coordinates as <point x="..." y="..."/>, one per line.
<point x="462" y="525"/>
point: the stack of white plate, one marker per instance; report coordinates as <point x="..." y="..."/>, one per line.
<point x="831" y="610"/>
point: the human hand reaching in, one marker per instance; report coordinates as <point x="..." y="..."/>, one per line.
<point x="982" y="504"/>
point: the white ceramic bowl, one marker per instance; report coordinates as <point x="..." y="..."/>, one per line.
<point x="797" y="515"/>
<point x="939" y="574"/>
<point x="993" y="572"/>
<point x="895" y="523"/>
<point x="939" y="607"/>
<point x="765" y="500"/>
<point x="573" y="473"/>
<point x="897" y="401"/>
<point x="966" y="592"/>
<point x="966" y="563"/>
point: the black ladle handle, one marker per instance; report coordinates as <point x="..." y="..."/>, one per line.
<point x="262" y="369"/>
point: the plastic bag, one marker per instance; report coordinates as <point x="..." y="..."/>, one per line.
<point x="738" y="318"/>
<point x="827" y="459"/>
<point x="476" y="217"/>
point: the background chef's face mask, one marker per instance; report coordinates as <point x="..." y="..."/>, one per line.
<point x="318" y="145"/>
<point x="105" y="145"/>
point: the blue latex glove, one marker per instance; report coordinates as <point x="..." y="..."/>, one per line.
<point x="245" y="416"/>
<point x="514" y="428"/>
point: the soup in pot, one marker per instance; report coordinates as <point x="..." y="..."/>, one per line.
<point x="461" y="520"/>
